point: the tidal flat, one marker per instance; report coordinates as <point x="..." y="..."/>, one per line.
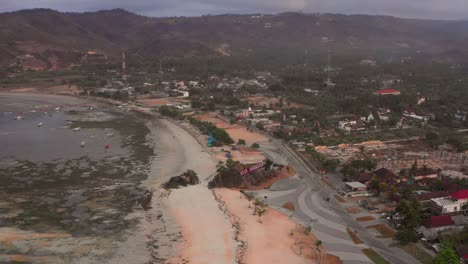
<point x="70" y="175"/>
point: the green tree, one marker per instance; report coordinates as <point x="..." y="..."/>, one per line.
<point x="241" y="141"/>
<point x="255" y="146"/>
<point x="410" y="211"/>
<point x="406" y="236"/>
<point x="260" y="126"/>
<point x="447" y="255"/>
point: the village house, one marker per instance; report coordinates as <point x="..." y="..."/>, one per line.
<point x="425" y="173"/>
<point x="435" y="224"/>
<point x="387" y="92"/>
<point x="425" y="198"/>
<point x="456" y="203"/>
<point x="384" y="114"/>
<point x="387" y="176"/>
<point x="412" y="114"/>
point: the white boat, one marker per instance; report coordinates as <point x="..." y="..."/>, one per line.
<point x="77" y="129"/>
<point x="40" y="124"/>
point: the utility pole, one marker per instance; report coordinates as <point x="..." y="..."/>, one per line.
<point x="124" y="66"/>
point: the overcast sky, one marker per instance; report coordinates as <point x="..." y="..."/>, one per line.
<point x="435" y="9"/>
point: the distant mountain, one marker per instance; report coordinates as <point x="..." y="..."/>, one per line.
<point x="53" y="39"/>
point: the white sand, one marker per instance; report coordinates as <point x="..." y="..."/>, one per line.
<point x="190" y="225"/>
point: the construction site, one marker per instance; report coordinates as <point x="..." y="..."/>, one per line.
<point x="397" y="155"/>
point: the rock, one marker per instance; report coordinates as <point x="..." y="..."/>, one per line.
<point x="185" y="179"/>
<point x="145" y="200"/>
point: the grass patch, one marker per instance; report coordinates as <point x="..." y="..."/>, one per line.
<point x="353" y="236"/>
<point x="384" y="230"/>
<point x="340" y="199"/>
<point x="418" y="253"/>
<point x="374" y="256"/>
<point x="365" y="218"/>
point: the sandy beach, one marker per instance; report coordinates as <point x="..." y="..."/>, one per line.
<point x="276" y="239"/>
<point x="184" y="225"/>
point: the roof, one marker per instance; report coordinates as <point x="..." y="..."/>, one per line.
<point x="387" y="91"/>
<point x="355" y="185"/>
<point x="438" y="221"/>
<point x="444" y="201"/>
<point x="460" y="195"/>
<point x="365" y="177"/>
<point x="425" y="171"/>
<point x="384" y="173"/>
<point x="431" y="195"/>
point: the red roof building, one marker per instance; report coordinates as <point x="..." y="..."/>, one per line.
<point x="460" y="195"/>
<point x="439" y="221"/>
<point x="387" y="92"/>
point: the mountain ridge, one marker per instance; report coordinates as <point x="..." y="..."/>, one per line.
<point x="41" y="32"/>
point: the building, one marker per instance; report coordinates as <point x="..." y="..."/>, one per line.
<point x="434" y="225"/>
<point x="365" y="177"/>
<point x="425" y="198"/>
<point x="446" y="205"/>
<point x="385" y="175"/>
<point x="425" y="173"/>
<point x="460" y="196"/>
<point x="355" y="186"/>
<point x="412" y="114"/>
<point x="387" y="92"/>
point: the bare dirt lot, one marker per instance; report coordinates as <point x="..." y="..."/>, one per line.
<point x="267" y="101"/>
<point x="234" y="130"/>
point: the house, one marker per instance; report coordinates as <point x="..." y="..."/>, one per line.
<point x="371" y="63"/>
<point x="461" y="197"/>
<point x="460" y="116"/>
<point x="314" y="92"/>
<point x="384" y="114"/>
<point x="412" y="114"/>
<point x="425" y="173"/>
<point x="368" y="119"/>
<point x="385" y="175"/>
<point x="425" y="198"/>
<point x="421" y="99"/>
<point x="355" y="186"/>
<point x="439" y="222"/>
<point x="365" y="177"/>
<point x="387" y="92"/>
<point x="244" y="113"/>
<point x="184" y="94"/>
<point x="447" y="205"/>
<point x="346" y="124"/>
<point x="434" y="225"/>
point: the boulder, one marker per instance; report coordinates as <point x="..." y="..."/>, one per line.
<point x="187" y="178"/>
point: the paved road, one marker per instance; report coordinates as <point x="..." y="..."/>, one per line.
<point x="316" y="207"/>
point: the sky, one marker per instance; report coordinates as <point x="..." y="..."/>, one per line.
<point x="428" y="9"/>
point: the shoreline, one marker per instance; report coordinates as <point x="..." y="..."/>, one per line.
<point x="170" y="232"/>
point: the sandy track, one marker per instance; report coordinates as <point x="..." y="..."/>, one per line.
<point x="276" y="240"/>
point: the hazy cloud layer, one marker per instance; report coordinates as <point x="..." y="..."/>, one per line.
<point x="436" y="9"/>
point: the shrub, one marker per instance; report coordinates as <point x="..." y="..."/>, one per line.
<point x="406" y="236"/>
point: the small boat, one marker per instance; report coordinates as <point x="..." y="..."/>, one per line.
<point x="82" y="144"/>
<point x="77" y="129"/>
<point x="40" y="124"/>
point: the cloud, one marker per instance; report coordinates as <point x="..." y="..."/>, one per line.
<point x="436" y="9"/>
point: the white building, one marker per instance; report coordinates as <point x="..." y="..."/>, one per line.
<point x="447" y="205"/>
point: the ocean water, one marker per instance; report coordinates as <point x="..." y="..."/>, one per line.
<point x="49" y="182"/>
